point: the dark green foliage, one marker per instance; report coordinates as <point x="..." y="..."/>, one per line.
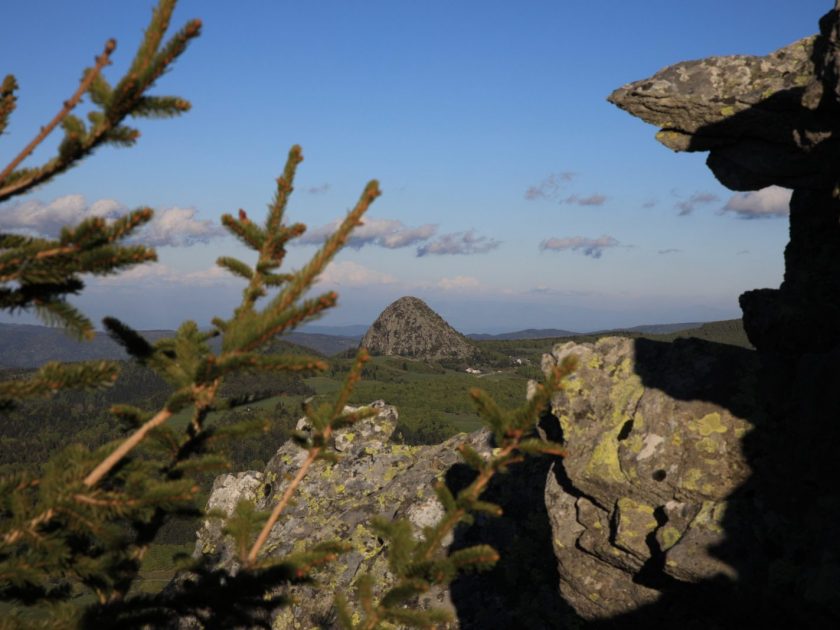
<point x="134" y="343"/>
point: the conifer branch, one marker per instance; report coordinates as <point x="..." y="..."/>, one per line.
<point x="127" y="446"/>
<point x="7" y="100"/>
<point x="283" y="502"/>
<point x="101" y="61"/>
<point x="321" y="437"/>
<point x="127" y="99"/>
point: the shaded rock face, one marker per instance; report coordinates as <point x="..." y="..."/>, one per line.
<point x="699" y="486"/>
<point x="409" y="328"/>
<point x="768" y="120"/>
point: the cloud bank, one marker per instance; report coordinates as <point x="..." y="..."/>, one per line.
<point x="175" y="227"/>
<point x="393" y="234"/>
<point x="458" y="283"/>
<point x="388" y="233"/>
<point x="458" y="243"/>
<point x="156" y="274"/>
<point x="592" y="247"/>
<point x="767" y="203"/>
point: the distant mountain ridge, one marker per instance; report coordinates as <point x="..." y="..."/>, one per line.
<point x="29" y="346"/>
<point x="352" y="330"/>
<point x="528" y="333"/>
<point x="409" y="328"/>
<point x="554" y="333"/>
<point x="654" y="329"/>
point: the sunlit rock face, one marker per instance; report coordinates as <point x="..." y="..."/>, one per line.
<point x="698" y="486"/>
<point x="374" y="478"/>
<point x="761" y="118"/>
<point x="648" y="477"/>
<point x="409" y="328"/>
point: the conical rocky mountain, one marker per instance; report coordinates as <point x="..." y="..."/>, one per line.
<point x="409" y="328"/>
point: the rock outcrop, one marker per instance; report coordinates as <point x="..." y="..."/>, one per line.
<point x="409" y="328"/>
<point x="649" y="476"/>
<point x="375" y="477"/>
<point x="686" y="497"/>
<point x="768" y="120"/>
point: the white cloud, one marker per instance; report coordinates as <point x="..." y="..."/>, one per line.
<point x="349" y="273"/>
<point x="388" y="233"/>
<point x="769" y="202"/>
<point x="171" y="226"/>
<point x="47" y="219"/>
<point x="687" y="206"/>
<point x="458" y="282"/>
<point x="317" y="190"/>
<point x="464" y="243"/>
<point x="156" y="274"/>
<point x="177" y="227"/>
<point x="592" y="247"/>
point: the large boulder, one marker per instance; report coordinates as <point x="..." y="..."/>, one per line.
<point x="757" y="116"/>
<point x="698" y="486"/>
<point x="374" y="477"/>
<point x="772" y="120"/>
<point x="649" y="476"/>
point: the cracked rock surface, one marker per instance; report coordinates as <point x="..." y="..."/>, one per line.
<point x="648" y="478"/>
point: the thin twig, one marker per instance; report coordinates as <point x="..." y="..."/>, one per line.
<point x="57" y="251"/>
<point x="203" y="397"/>
<point x="101" y="61"/>
<point x="14" y="535"/>
<point x="281" y="505"/>
<point x="123" y="449"/>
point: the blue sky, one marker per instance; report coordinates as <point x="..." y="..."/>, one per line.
<point x="514" y="195"/>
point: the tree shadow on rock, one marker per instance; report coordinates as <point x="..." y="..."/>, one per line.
<point x="779" y="525"/>
<point x="521" y="591"/>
